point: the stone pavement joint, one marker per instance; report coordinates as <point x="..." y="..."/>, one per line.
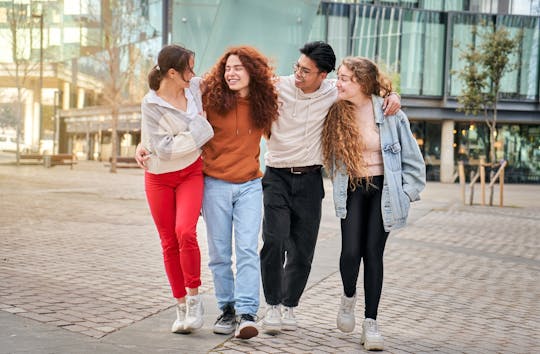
<point x="80" y="262"/>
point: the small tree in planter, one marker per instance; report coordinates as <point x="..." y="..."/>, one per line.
<point x="485" y="65"/>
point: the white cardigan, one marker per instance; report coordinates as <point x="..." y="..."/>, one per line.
<point x="173" y="137"/>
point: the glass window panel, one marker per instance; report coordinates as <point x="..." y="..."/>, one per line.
<point x="454" y="5"/>
<point x="461" y="34"/>
<point x="432" y="4"/>
<point x="389" y="37"/>
<point x="435" y="39"/>
<point x="364" y="40"/>
<point x="412" y="53"/>
<point x="318" y="31"/>
<point x="528" y="87"/>
<point x="72" y="34"/>
<point x="338" y="30"/>
<point x="5" y="55"/>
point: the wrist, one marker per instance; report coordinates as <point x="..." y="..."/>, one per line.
<point x="394" y="93"/>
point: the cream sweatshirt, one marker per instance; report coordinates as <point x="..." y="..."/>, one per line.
<point x="296" y="134"/>
<point x="173" y="137"/>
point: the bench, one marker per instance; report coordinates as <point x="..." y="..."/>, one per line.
<point x="59" y="159"/>
<point x="31" y="158"/>
<point x="124" y="162"/>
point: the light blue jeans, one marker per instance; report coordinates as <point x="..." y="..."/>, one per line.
<point x="227" y="207"/>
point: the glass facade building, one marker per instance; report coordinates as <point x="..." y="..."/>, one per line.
<point x="419" y="43"/>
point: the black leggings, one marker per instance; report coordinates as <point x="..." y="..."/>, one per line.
<point x="363" y="237"/>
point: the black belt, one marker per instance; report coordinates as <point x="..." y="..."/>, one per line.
<point x="301" y="170"/>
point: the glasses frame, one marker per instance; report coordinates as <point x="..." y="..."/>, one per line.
<point x="297" y="68"/>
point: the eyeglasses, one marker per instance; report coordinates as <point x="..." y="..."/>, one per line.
<point x="302" y="71"/>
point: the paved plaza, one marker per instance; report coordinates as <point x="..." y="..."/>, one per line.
<point x="81" y="272"/>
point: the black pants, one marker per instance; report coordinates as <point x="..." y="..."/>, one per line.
<point x="363" y="237"/>
<point x="292" y="214"/>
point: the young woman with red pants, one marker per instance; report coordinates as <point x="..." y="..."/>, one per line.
<point x="173" y="131"/>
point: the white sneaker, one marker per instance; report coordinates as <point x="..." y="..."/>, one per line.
<point x="178" y="325"/>
<point x="288" y="320"/>
<point x="371" y="338"/>
<point x="272" y="320"/>
<point x="194" y="313"/>
<point x="345" y="317"/>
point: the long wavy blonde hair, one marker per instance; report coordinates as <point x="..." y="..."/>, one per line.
<point x="341" y="138"/>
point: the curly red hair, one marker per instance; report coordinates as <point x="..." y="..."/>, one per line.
<point x="263" y="99"/>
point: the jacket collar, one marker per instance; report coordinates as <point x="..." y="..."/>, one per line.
<point x="377" y="109"/>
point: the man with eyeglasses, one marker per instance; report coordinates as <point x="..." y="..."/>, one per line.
<point x="292" y="183"/>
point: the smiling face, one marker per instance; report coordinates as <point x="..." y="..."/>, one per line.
<point x="236" y="76"/>
<point x="307" y="77"/>
<point x="348" y="87"/>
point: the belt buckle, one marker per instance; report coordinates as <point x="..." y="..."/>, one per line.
<point x="295" y="172"/>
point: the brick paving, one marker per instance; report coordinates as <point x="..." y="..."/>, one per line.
<point x="78" y="250"/>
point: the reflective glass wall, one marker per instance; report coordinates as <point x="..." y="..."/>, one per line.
<point x="277" y="28"/>
<point x="424" y="46"/>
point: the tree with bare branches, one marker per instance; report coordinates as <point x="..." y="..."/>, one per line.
<point x="121" y="52"/>
<point x="22" y="32"/>
<point x="485" y="66"/>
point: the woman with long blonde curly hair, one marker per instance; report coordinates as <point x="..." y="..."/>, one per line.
<point x="241" y="103"/>
<point x="377" y="170"/>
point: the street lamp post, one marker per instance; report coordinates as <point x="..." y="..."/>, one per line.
<point x="40" y="16"/>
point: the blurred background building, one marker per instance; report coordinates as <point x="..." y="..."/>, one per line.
<point x="63" y="94"/>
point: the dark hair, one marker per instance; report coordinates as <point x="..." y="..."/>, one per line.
<point x="322" y="54"/>
<point x="262" y="96"/>
<point x="170" y="57"/>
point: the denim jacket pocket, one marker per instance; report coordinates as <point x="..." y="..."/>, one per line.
<point x="393" y="154"/>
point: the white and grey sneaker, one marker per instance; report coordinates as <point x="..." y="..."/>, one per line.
<point x="371" y="338"/>
<point x="288" y="320"/>
<point x="272" y="320"/>
<point x="246" y="327"/>
<point x="178" y="325"/>
<point x="226" y="322"/>
<point x="194" y="313"/>
<point x="345" y="318"/>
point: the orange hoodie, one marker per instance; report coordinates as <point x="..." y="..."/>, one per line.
<point x="232" y="154"/>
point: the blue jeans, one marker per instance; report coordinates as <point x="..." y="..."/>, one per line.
<point x="227" y="207"/>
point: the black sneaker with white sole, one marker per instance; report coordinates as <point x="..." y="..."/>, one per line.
<point x="246" y="327"/>
<point x="226" y="322"/>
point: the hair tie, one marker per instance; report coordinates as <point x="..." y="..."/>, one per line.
<point x="157" y="68"/>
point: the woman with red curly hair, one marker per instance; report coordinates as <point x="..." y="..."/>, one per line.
<point x="241" y="103"/>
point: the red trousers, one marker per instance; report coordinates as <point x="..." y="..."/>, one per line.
<point x="175" y="200"/>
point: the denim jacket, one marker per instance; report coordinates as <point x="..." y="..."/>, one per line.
<point x="404" y="170"/>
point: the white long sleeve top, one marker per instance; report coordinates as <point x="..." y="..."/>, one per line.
<point x="172" y="136"/>
<point x="296" y="134"/>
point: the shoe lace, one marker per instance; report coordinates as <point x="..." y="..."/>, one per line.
<point x="192" y="306"/>
<point x="288" y="312"/>
<point x="227" y="314"/>
<point x="347" y="306"/>
<point x="247" y="317"/>
<point x="371" y="326"/>
<point x="181" y="310"/>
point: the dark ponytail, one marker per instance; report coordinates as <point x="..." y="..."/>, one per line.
<point x="154" y="78"/>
